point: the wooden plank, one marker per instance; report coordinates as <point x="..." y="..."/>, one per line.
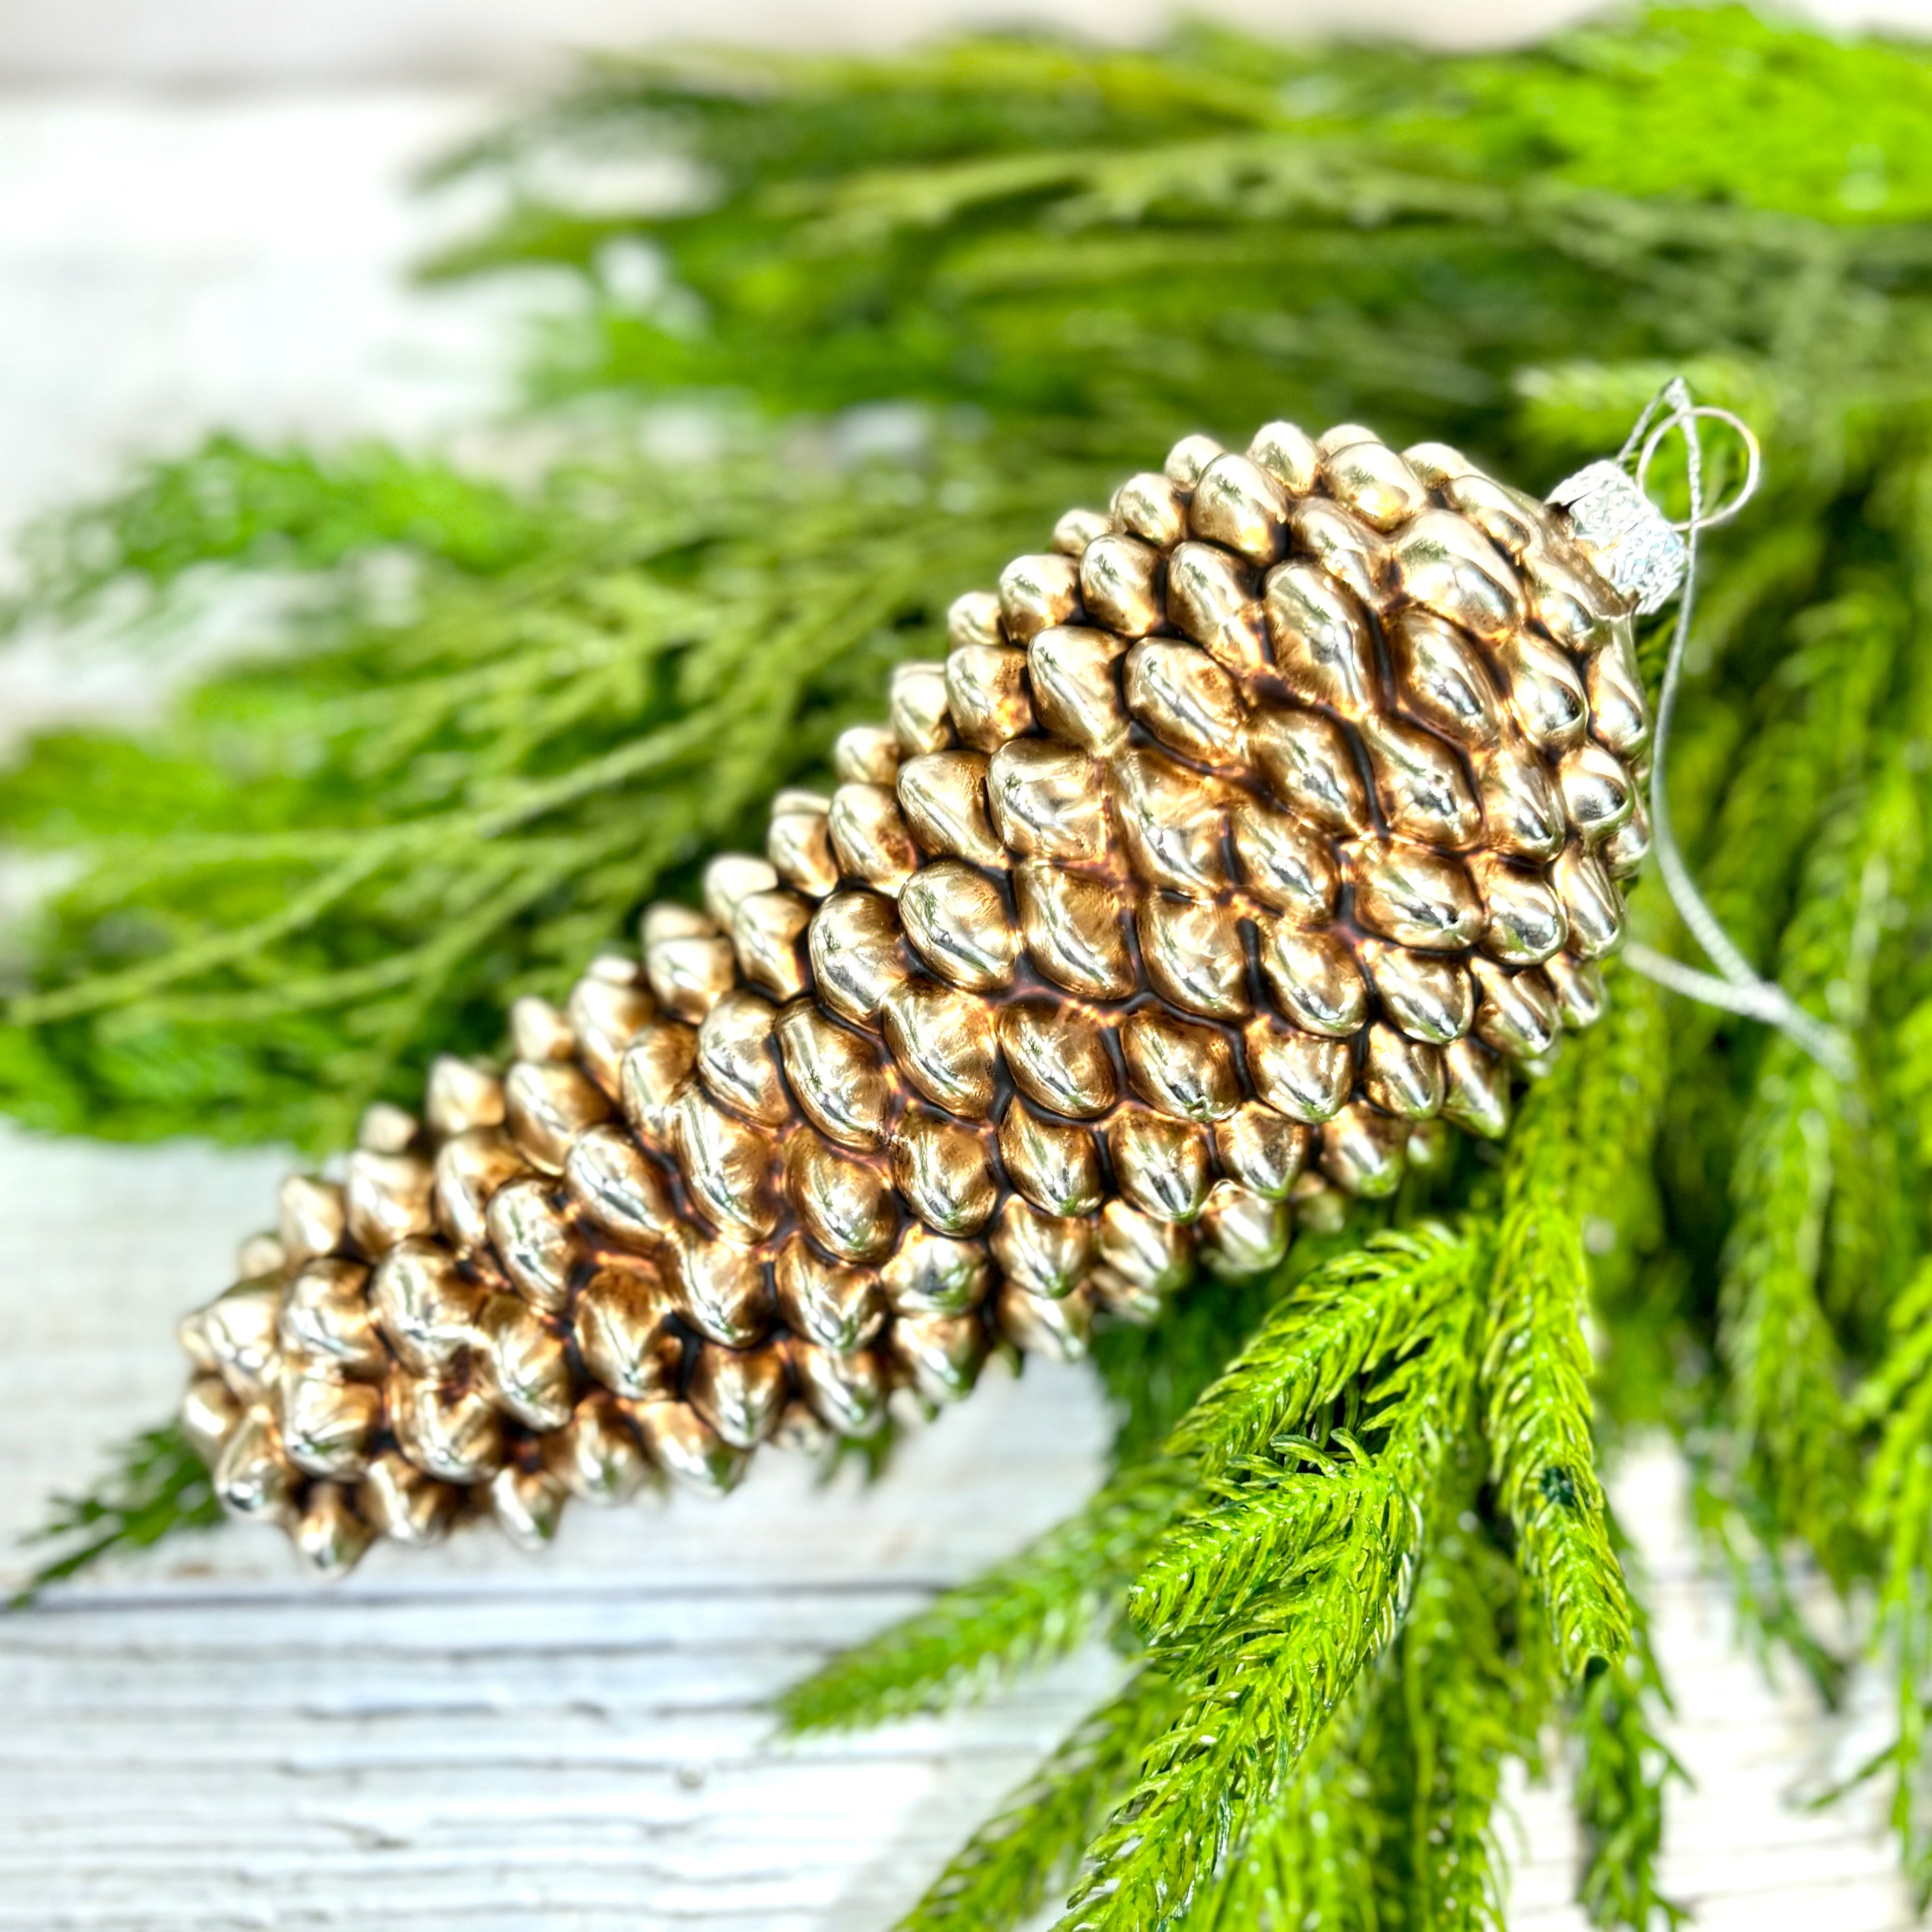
<point x="201" y="1737"/>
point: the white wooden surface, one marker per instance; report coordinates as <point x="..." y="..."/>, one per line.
<point x="201" y="1739"/>
<point x="204" y="1738"/>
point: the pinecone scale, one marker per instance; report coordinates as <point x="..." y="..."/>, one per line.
<point x="1242" y="838"/>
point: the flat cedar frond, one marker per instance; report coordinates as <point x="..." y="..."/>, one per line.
<point x="1249" y="177"/>
<point x="1040" y="1604"/>
<point x="328" y="864"/>
<point x="232" y="503"/>
<point x="1360" y="1308"/>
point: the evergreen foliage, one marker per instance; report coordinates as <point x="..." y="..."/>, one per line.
<point x="1354" y="1545"/>
<point x="1536" y="1370"/>
<point x="159" y="1488"/>
<point x="1623" y="1773"/>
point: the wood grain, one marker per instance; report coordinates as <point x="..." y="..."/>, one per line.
<point x="201" y="1737"/>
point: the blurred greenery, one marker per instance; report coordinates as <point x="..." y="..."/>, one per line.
<point x="881" y="322"/>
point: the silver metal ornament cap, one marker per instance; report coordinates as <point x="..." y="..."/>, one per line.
<point x="1632" y="544"/>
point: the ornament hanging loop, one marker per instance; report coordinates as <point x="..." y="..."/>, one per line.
<point x="1681" y="418"/>
<point x="1736" y="986"/>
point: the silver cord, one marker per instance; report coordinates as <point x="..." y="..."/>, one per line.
<point x="1736" y="986"/>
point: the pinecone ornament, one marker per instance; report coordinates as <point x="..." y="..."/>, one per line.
<point x="1249" y="831"/>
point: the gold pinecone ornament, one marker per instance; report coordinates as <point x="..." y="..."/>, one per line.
<point x="1246" y="833"/>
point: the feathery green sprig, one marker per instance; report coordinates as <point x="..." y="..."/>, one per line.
<point x="1362" y="1306"/>
<point x="1535" y="1379"/>
<point x="1063" y="1587"/>
<point x="1008" y="1868"/>
<point x="1623" y="1773"/>
<point x="1263" y="1675"/>
<point x="159" y="1487"/>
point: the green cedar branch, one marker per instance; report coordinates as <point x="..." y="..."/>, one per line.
<point x="1007" y="1868"/>
<point x="1469" y="1705"/>
<point x="1360" y="1307"/>
<point x="1535" y="1381"/>
<point x="1318" y="1858"/>
<point x="1064" y="1586"/>
<point x="1263" y="1684"/>
<point x="158" y="1487"/>
<point x="1621" y="1772"/>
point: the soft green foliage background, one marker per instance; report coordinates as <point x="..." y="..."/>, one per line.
<point x="1356" y="1542"/>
